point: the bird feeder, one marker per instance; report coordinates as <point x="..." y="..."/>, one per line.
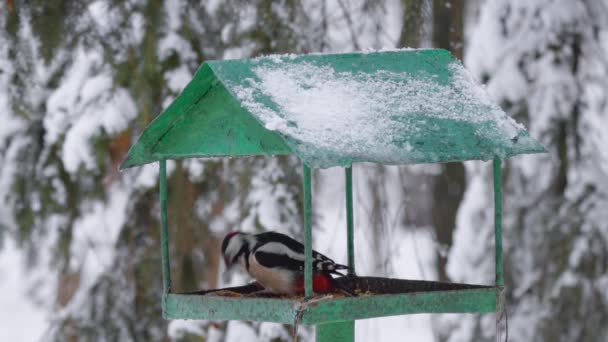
<point x="334" y="110"/>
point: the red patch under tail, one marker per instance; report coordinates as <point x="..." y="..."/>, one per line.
<point x="321" y="283"/>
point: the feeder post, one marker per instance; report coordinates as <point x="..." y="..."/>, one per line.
<point x="498" y="221"/>
<point x="164" y="240"/>
<point x="336" y="332"/>
<point x="307" y="232"/>
<point x="343" y="331"/>
<point x="350" y="236"/>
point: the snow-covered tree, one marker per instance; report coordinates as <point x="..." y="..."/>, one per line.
<point x="547" y="62"/>
<point x="79" y="80"/>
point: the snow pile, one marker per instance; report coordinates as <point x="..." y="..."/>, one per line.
<point x="85" y="105"/>
<point x="95" y="236"/>
<point x="336" y="117"/>
<point x="19" y="311"/>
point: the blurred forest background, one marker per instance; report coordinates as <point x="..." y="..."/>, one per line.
<point x="79" y="81"/>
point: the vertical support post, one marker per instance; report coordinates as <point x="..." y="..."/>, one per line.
<point x="308" y="291"/>
<point x="343" y="331"/>
<point x="164" y="239"/>
<point x="350" y="244"/>
<point x="336" y="332"/>
<point x="498" y="221"/>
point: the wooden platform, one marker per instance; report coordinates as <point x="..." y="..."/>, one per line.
<point x="376" y="297"/>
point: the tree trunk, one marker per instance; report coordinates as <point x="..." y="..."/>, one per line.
<point x="412" y="23"/>
<point x="449" y="186"/>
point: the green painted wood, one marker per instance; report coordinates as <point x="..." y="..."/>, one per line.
<point x="164" y="236"/>
<point x="498" y="221"/>
<point x="482" y="300"/>
<point x="227" y="110"/>
<point x="452" y="119"/>
<point x="323" y="310"/>
<point x="141" y="152"/>
<point x="350" y="235"/>
<point x="336" y="332"/>
<point x="204" y="121"/>
<point x="307" y="231"/>
<point x="182" y="306"/>
<point x="343" y="331"/>
<point x="218" y="127"/>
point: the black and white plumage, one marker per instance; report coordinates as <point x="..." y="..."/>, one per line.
<point x="276" y="261"/>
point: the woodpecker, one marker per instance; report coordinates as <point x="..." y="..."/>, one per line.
<point x="276" y="261"/>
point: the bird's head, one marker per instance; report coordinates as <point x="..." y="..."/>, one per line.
<point x="235" y="248"/>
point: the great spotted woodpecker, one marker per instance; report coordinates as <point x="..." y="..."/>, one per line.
<point x="276" y="261"/>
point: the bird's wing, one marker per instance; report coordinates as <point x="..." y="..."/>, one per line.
<point x="278" y="260"/>
<point x="279" y="250"/>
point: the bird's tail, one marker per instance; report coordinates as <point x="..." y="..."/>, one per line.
<point x="338" y="270"/>
<point x="344" y="285"/>
<point x="340" y="286"/>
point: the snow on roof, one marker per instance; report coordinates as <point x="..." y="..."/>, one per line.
<point x="390" y="107"/>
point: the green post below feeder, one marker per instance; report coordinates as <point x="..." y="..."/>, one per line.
<point x="307" y="232"/>
<point x="498" y="221"/>
<point x="164" y="239"/>
<point x="343" y="331"/>
<point x="336" y="332"/>
<point x="350" y="235"/>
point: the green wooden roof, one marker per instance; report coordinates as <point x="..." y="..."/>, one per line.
<point x="389" y="107"/>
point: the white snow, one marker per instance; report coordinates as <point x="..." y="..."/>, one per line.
<point x="473" y="229"/>
<point x="103" y="16"/>
<point x="112" y="115"/>
<point x="85" y="104"/>
<point x="341" y="115"/>
<point x="178" y="78"/>
<point x="22" y="320"/>
<point x="179" y="328"/>
<point x="10" y="125"/>
<point x="240" y="331"/>
<point x="96" y="232"/>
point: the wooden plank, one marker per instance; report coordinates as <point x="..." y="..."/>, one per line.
<point x="481" y="300"/>
<point x="164" y="235"/>
<point x="322" y="310"/>
<point x="183" y="306"/>
<point x="204" y="121"/>
<point x="350" y="222"/>
<point x="306" y="185"/>
<point x="498" y="221"/>
<point x="224" y="112"/>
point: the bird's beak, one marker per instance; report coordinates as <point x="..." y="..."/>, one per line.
<point x="226" y="273"/>
<point x="227" y="263"/>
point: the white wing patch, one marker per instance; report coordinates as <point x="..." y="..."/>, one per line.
<point x="279" y="248"/>
<point x="320" y="262"/>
